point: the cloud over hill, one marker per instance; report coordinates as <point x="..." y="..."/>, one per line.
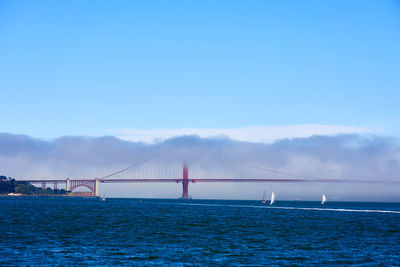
<point x="351" y="156"/>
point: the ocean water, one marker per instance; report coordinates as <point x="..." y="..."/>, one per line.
<point x="87" y="231"/>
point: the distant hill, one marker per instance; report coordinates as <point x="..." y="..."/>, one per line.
<point x="10" y="185"/>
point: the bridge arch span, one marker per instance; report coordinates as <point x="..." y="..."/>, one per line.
<point x="92" y="185"/>
<point x="91" y="188"/>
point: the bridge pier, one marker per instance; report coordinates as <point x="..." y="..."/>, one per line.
<point x="68" y="188"/>
<point x="96" y="187"/>
<point x="185" y="182"/>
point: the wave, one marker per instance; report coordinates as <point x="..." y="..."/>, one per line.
<point x="286" y="208"/>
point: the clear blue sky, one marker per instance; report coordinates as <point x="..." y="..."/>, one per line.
<point x="81" y="67"/>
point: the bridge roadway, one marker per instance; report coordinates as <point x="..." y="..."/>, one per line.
<point x="207" y="180"/>
<point x="168" y="180"/>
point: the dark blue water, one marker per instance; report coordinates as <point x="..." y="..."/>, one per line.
<point x="79" y="231"/>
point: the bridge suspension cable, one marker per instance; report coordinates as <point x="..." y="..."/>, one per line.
<point x="290" y="174"/>
<point x="123" y="170"/>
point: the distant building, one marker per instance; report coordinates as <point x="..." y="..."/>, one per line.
<point x="14" y="194"/>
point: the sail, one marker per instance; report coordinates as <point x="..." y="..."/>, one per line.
<point x="264" y="199"/>
<point x="323" y="199"/>
<point x="272" y="198"/>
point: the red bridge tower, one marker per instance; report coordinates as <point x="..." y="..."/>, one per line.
<point x="185" y="182"/>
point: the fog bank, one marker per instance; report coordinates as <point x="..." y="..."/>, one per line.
<point x="354" y="157"/>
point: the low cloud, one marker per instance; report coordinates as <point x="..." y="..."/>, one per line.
<point x="255" y="134"/>
<point x="345" y="156"/>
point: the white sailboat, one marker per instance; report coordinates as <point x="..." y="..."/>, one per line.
<point x="272" y="199"/>
<point x="323" y="199"/>
<point x="264" y="200"/>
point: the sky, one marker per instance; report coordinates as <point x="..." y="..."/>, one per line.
<point x="95" y="67"/>
<point x="254" y="72"/>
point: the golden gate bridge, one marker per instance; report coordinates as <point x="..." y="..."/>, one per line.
<point x="93" y="184"/>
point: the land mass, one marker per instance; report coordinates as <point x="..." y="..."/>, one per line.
<point x="10" y="186"/>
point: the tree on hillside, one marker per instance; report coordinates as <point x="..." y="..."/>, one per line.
<point x="6" y="185"/>
<point x="24" y="189"/>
